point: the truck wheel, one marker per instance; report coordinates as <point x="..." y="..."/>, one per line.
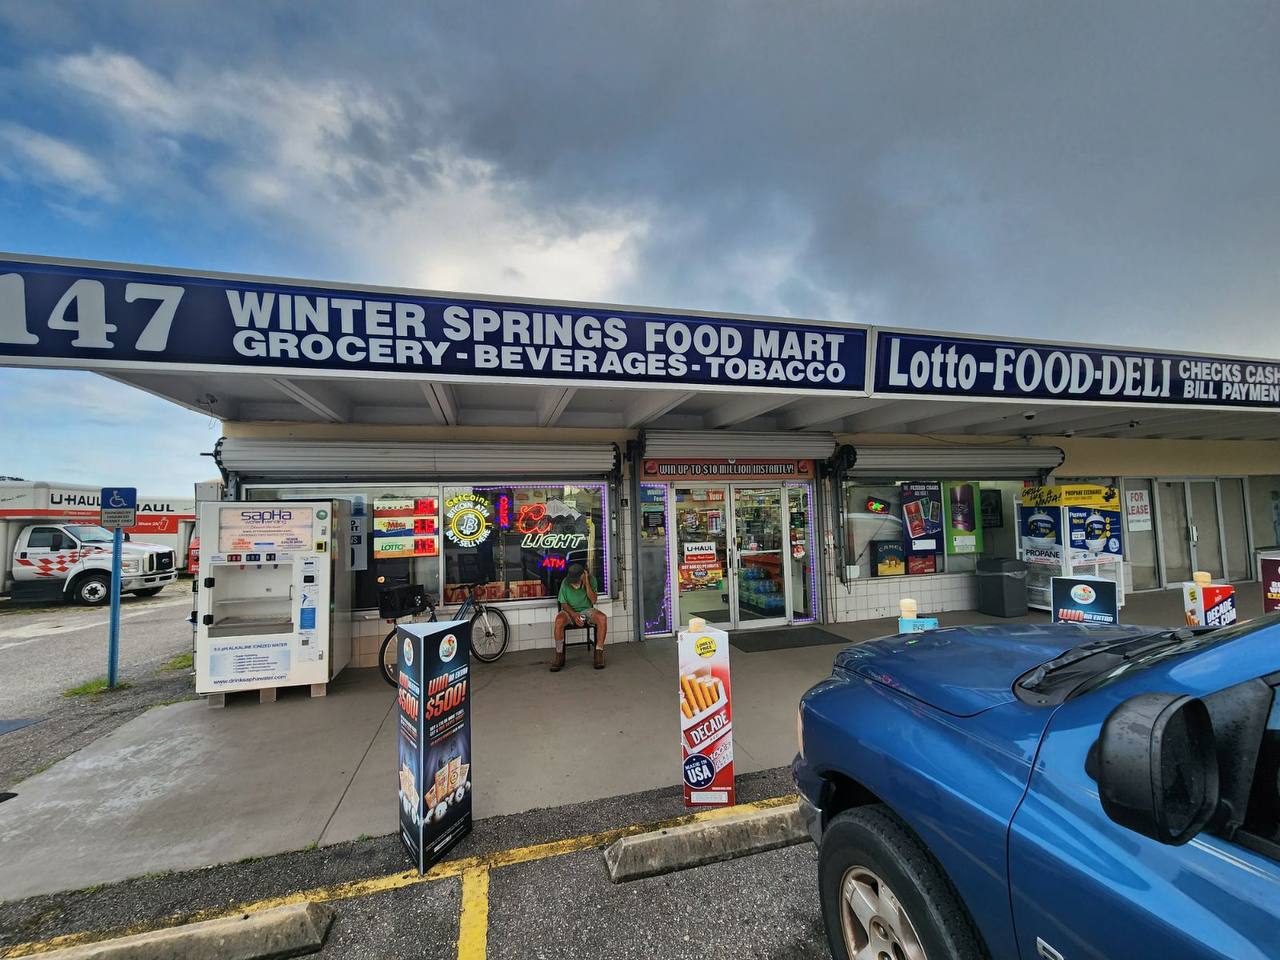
<point x="93" y="589"/>
<point x="883" y="894"/>
<point x="149" y="592"/>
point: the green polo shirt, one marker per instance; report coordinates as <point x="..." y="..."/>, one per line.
<point x="576" y="597"/>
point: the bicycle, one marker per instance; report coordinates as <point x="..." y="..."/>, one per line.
<point x="489" y="628"/>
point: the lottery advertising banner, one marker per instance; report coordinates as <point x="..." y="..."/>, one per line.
<point x="1084" y="600"/>
<point x="433" y="720"/>
<point x="706" y="718"/>
<point x="922" y="516"/>
<point x="1213" y="605"/>
<point x="1269" y="574"/>
<point x="962" y="520"/>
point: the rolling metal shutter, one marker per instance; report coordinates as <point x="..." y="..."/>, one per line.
<point x="726" y="444"/>
<point x="291" y="459"/>
<point x="953" y="462"/>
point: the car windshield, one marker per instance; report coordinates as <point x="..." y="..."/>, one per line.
<point x="86" y="533"/>
<point x="1095" y="664"/>
<point x="1182" y="644"/>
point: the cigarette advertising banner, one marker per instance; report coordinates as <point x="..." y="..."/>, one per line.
<point x="433" y="733"/>
<point x="706" y="718"/>
<point x="1084" y="600"/>
<point x="922" y="516"/>
<point x="1269" y="574"/>
<point x="963" y="531"/>
<point x="1213" y="605"/>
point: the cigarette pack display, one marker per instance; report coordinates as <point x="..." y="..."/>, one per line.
<point x="706" y="716"/>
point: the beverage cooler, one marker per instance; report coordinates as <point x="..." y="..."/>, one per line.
<point x="1073" y="530"/>
<point x="273" y="599"/>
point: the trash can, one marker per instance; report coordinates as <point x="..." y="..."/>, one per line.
<point x="1002" y="587"/>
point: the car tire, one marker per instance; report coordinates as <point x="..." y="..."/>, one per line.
<point x="148" y="592"/>
<point x="92" y="590"/>
<point x="893" y="879"/>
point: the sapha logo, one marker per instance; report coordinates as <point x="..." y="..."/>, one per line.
<point x="265" y="516"/>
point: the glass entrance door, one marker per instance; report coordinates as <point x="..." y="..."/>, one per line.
<point x="1175" y="531"/>
<point x="760" y="546"/>
<point x="1206" y="530"/>
<point x="701" y="559"/>
<point x="734" y="554"/>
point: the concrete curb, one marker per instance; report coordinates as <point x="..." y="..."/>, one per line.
<point x="696" y="844"/>
<point x="282" y="932"/>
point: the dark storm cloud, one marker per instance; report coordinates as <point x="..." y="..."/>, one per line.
<point x="1084" y="171"/>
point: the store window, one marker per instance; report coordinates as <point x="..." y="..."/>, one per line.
<point x="919" y="527"/>
<point x="517" y="541"/>
<point x="388" y="534"/>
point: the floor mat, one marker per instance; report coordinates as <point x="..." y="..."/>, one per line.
<point x="758" y="641"/>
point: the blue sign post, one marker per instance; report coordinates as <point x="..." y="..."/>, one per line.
<point x="118" y="508"/>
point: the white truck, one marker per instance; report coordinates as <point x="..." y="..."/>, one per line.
<point x="51" y="547"/>
<point x="73" y="561"/>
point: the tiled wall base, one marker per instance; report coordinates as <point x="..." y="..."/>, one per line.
<point x="878" y="597"/>
<point x="530" y="628"/>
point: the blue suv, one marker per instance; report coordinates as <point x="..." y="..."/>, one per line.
<point x="1060" y="792"/>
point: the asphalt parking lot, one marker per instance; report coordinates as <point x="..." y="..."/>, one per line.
<point x="47" y="650"/>
<point x="526" y="885"/>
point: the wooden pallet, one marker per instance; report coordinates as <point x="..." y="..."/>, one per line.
<point x="265" y="695"/>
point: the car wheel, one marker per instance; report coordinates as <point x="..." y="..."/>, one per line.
<point x="884" y="897"/>
<point x="149" y="592"/>
<point x="93" y="589"/>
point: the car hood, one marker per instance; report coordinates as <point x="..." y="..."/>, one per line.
<point x="965" y="670"/>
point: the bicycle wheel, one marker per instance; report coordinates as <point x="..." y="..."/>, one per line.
<point x="388" y="659"/>
<point x="489" y="634"/>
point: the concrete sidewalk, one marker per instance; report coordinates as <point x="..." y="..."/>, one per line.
<point x="183" y="786"/>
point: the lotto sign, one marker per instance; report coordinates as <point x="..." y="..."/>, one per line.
<point x="706" y="717"/>
<point x="1084" y="600"/>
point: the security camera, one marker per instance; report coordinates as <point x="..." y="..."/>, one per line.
<point x="1068" y="433"/>
<point x="1134" y="423"/>
<point x="1029" y="415"/>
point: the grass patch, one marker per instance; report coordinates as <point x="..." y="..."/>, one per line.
<point x="94" y="688"/>
<point x="183" y="661"/>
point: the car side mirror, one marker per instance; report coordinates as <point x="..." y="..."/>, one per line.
<point x="1157" y="766"/>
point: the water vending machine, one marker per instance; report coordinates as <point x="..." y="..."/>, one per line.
<point x="273" y="598"/>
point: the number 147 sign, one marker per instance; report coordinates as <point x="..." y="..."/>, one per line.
<point x="82" y="309"/>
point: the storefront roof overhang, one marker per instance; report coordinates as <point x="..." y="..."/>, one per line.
<point x="243" y="348"/>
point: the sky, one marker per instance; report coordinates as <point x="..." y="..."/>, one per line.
<point x="1092" y="171"/>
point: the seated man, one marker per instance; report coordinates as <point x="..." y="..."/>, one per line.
<point x="578" y="608"/>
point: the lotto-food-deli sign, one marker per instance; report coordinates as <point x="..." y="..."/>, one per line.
<point x="706" y="717"/>
<point x="911" y="364"/>
<point x="433" y="720"/>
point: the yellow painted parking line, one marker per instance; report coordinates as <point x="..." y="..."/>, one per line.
<point x="473" y="922"/>
<point x="354" y="889"/>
